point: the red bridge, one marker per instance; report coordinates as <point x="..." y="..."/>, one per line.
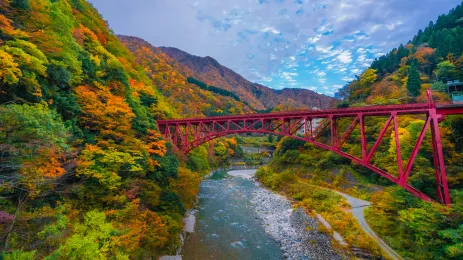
<point x="320" y="128"/>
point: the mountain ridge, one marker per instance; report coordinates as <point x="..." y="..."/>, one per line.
<point x="259" y="96"/>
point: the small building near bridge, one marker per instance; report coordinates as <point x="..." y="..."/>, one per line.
<point x="455" y="90"/>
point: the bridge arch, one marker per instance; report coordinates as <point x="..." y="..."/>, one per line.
<point x="310" y="126"/>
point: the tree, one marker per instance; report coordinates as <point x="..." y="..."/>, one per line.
<point x="368" y="78"/>
<point x="445" y="70"/>
<point x="33" y="144"/>
<point x="413" y="82"/>
<point x="92" y="239"/>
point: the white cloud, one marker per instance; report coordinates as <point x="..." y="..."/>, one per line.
<point x="321" y="74"/>
<point x="345" y="57"/>
<point x="314" y="39"/>
<point x="336" y="32"/>
<point x="394" y="25"/>
<point x="270" y="29"/>
<point x="361" y="58"/>
<point x="347" y="79"/>
<point x="324" y="49"/>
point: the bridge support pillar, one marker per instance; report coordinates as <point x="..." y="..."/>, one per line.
<point x="438" y="156"/>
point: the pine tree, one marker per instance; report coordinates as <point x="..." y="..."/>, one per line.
<point x="433" y="40"/>
<point x="413" y="82"/>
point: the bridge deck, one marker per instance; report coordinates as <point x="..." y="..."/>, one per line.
<point x="444" y="109"/>
<point x="186" y="134"/>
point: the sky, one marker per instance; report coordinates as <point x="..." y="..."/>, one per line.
<point x="314" y="44"/>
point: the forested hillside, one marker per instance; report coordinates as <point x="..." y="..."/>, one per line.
<point x="84" y="173"/>
<point x="432" y="58"/>
<point x="169" y="76"/>
<point x="414" y="228"/>
<point x="259" y="97"/>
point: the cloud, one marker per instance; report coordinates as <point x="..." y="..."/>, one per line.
<point x="270" y="29"/>
<point x="345" y="57"/>
<point x="258" y="38"/>
<point x="314" y="39"/>
<point x="347" y="79"/>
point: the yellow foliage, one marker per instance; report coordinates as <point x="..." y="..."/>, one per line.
<point x="10" y="73"/>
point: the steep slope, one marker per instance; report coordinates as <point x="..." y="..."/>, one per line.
<point x="168" y="76"/>
<point x="84" y="173"/>
<point x="258" y="96"/>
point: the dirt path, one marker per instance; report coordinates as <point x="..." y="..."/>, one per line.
<point x="358" y="207"/>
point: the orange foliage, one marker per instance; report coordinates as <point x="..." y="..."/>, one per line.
<point x="45" y="164"/>
<point x="7" y="29"/>
<point x="78" y="36"/>
<point x="104" y="112"/>
<point x="382" y="92"/>
<point x="166" y="75"/>
<point x="141" y="228"/>
<point x="156" y="146"/>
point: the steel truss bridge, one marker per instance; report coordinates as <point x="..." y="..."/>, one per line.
<point x="320" y="128"/>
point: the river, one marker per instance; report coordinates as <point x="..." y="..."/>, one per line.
<point x="239" y="219"/>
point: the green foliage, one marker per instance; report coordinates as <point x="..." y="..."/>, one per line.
<point x="213" y="89"/>
<point x="413" y="82"/>
<point x="439" y="86"/>
<point x="219" y="174"/>
<point x="454" y="248"/>
<point x="197" y="160"/>
<point x="19" y="255"/>
<point x="446" y="70"/>
<point x="168" y="169"/>
<point x="289" y="144"/>
<point x="91" y="240"/>
<point x="170" y="202"/>
<point x="23" y="123"/>
<point x="21" y="4"/>
<point x="107" y="166"/>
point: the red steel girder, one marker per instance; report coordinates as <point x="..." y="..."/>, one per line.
<point x="187" y="134"/>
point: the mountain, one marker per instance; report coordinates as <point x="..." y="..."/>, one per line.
<point x="168" y="75"/>
<point x="258" y="96"/>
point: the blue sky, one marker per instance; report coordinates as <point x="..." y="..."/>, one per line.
<point x="314" y="44"/>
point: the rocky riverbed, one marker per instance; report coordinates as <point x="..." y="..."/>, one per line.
<point x="239" y="219"/>
<point x="296" y="231"/>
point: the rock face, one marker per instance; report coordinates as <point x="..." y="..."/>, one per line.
<point x="258" y="96"/>
<point x="296" y="231"/>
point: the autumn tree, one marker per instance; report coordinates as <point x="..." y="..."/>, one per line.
<point x="33" y="147"/>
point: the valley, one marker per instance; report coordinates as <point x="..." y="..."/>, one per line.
<point x="108" y="142"/>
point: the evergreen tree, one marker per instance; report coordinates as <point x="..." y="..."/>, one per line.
<point x="433" y="40"/>
<point x="402" y="52"/>
<point x="413" y="82"/>
<point x="453" y="46"/>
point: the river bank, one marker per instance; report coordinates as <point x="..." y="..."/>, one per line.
<point x="296" y="231"/>
<point x="240" y="219"/>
